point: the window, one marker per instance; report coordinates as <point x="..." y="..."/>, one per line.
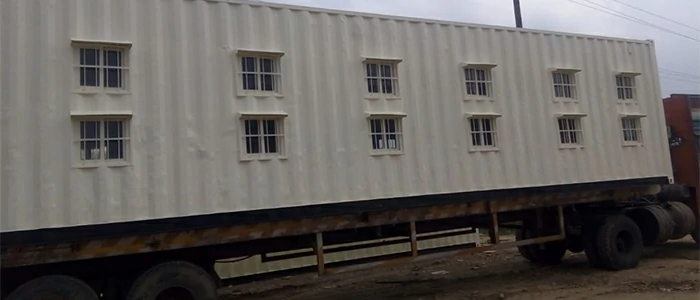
<point x="696" y="127"/>
<point x="631" y="130"/>
<point x="263" y="137"/>
<point x="626" y="89"/>
<point x="478" y="81"/>
<point x="102" y="139"/>
<point x="260" y="73"/>
<point x="564" y="85"/>
<point x="483" y="132"/>
<point x="570" y="132"/>
<point x="102" y="67"/>
<point x="382" y="78"/>
<point x="386" y="134"/>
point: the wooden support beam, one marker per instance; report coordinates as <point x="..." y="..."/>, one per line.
<point x="320" y="260"/>
<point x="414" y="240"/>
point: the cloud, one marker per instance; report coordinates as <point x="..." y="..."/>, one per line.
<point x="674" y="53"/>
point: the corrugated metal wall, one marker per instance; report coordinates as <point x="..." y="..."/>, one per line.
<point x="185" y="127"/>
<point x="254" y="265"/>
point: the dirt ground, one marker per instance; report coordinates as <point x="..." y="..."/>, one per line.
<point x="668" y="271"/>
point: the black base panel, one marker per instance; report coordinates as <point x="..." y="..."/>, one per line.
<point x="110" y="230"/>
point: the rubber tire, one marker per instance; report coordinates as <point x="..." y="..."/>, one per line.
<point x="170" y="275"/>
<point x="610" y="256"/>
<point x="551" y="253"/>
<point x="654" y="222"/>
<point x="51" y="286"/>
<point x="590" y="246"/>
<point x="680" y="212"/>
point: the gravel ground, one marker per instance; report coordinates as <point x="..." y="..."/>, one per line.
<point x="668" y="271"/>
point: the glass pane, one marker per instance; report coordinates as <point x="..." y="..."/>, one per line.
<point x="268" y="83"/>
<point x="113" y="78"/>
<point x="377" y="141"/>
<point x="628" y="93"/>
<point x="565" y="79"/>
<point x="270" y="144"/>
<point x="90" y="150"/>
<point x="376" y="126"/>
<point x="387" y="86"/>
<point x="476" y="139"/>
<point x="562" y="137"/>
<point x="269" y="127"/>
<point x="386" y="71"/>
<point x="372" y="70"/>
<point x="251" y="127"/>
<point x="620" y="93"/>
<point x="487" y="124"/>
<point x="113" y="129"/>
<point x="90" y="57"/>
<point x="557" y="78"/>
<point x="471" y="88"/>
<point x="113" y="57"/>
<point x="480" y="75"/>
<point x="266" y="65"/>
<point x="488" y="139"/>
<point x="249" y="82"/>
<point x="253" y="144"/>
<point x="89" y="129"/>
<point x="482" y="89"/>
<point x="248" y="64"/>
<point x="618" y="80"/>
<point x="573" y="137"/>
<point x="115" y="149"/>
<point x="390" y="125"/>
<point x="470" y="73"/>
<point x="373" y="85"/>
<point x="475" y="125"/>
<point x="89" y="76"/>
<point x="392" y="141"/>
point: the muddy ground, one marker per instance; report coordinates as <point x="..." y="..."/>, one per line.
<point x="668" y="271"/>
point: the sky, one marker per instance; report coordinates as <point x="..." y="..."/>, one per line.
<point x="678" y="57"/>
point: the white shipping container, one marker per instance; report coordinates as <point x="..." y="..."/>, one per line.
<point x="125" y="110"/>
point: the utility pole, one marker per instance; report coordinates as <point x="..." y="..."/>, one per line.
<point x="518" y="17"/>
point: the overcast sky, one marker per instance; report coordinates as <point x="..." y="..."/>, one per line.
<point x="676" y="54"/>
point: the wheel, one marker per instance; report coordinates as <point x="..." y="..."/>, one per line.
<point x="654" y="222"/>
<point x="619" y="243"/>
<point x="683" y="219"/>
<point x="589" y="230"/>
<point x="549" y="253"/>
<point x="52" y="287"/>
<point x="176" y="280"/>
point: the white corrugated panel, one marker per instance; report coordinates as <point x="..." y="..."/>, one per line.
<point x="254" y="265"/>
<point x="184" y="95"/>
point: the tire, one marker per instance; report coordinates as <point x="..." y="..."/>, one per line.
<point x="682" y="217"/>
<point x="176" y="279"/>
<point x="619" y="243"/>
<point x="550" y="253"/>
<point x="590" y="247"/>
<point x="52" y="287"/>
<point x="654" y="222"/>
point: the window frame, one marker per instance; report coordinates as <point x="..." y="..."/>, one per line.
<point x="398" y="132"/>
<point x="578" y="122"/>
<point x="572" y="85"/>
<point x="280" y="134"/>
<point x="277" y="74"/>
<point x="395" y="79"/>
<point x="493" y="119"/>
<point x="633" y="81"/>
<point x="638" y="130"/>
<point x="77" y="140"/>
<point x="489" y="80"/>
<point x="102" y="46"/>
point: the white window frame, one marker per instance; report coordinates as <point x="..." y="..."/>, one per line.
<point x="380" y="78"/>
<point x="564" y="135"/>
<point x="385" y="135"/>
<point x="631" y="136"/>
<point x="481" y="133"/>
<point x="623" y="91"/>
<point x="488" y="81"/>
<point x="102" y="46"/>
<point x="280" y="136"/>
<point x="126" y="138"/>
<point x="572" y="84"/>
<point x="276" y="73"/>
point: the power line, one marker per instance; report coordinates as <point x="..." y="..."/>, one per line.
<point x="672" y="72"/>
<point x="653" y="14"/>
<point x="630" y="18"/>
<point x="678" y="79"/>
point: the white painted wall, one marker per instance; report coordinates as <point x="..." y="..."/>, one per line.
<point x="185" y="103"/>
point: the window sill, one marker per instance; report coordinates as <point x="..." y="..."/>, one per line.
<point x="566" y="100"/>
<point x="632" y="145"/>
<point x="96" y="91"/>
<point x="473" y="98"/>
<point x="373" y="97"/>
<point x="262" y="158"/>
<point x="100" y="164"/>
<point x="386" y="153"/>
<point x="570" y="147"/>
<point x="494" y="149"/>
<point x="259" y="94"/>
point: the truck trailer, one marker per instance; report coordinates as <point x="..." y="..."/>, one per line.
<point x="142" y="141"/>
